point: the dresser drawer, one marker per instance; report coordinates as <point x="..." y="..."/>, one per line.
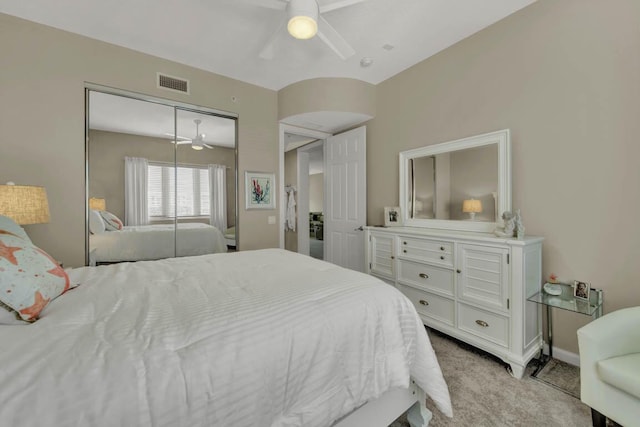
<point x="426" y="276"/>
<point x="436" y="251"/>
<point x="430" y="305"/>
<point x="486" y="325"/>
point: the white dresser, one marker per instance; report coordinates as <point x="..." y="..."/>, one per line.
<point x="472" y="286"/>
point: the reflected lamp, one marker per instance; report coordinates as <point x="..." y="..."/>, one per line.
<point x="25" y="204"/>
<point x="472" y="206"/>
<point x="97" y="204"/>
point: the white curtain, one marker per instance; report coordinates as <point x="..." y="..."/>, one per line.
<point x="218" y="196"/>
<point x="135" y="191"/>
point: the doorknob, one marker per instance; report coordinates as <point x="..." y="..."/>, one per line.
<point x="359" y="229"/>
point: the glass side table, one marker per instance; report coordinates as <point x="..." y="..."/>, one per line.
<point x="566" y="301"/>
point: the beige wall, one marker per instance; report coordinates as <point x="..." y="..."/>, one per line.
<point x="42" y="80"/>
<point x="107" y="151"/>
<point x="327" y="94"/>
<point x="316" y="192"/>
<point x="563" y="76"/>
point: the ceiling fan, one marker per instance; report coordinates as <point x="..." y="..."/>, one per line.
<point x="303" y="21"/>
<point x="197" y="143"/>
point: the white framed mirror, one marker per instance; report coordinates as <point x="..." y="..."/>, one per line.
<point x="457" y="185"/>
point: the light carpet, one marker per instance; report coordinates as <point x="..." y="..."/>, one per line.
<point x="561" y="375"/>
<point x="483" y="394"/>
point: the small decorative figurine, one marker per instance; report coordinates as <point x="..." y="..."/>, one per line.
<point x="519" y="228"/>
<point x="509" y="225"/>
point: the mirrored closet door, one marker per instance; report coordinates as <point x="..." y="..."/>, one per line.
<point x="161" y="180"/>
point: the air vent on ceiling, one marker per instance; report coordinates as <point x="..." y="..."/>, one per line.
<point x="175" y="84"/>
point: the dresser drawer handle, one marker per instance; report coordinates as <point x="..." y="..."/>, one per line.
<point x="458" y="271"/>
<point x="404" y="250"/>
<point x="482" y="323"/>
<point x="423" y="276"/>
<point x="392" y="257"/>
<point x="441" y="257"/>
<point x="442" y="248"/>
<point x="404" y="243"/>
<point x="423" y="302"/>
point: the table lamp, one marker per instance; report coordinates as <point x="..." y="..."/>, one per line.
<point x="97" y="204"/>
<point x="25" y="204"/>
<point x="472" y="206"/>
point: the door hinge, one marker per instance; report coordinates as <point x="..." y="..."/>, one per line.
<point x="507" y="303"/>
<point x="508" y="258"/>
<point x="369" y="266"/>
<point x="369" y="237"/>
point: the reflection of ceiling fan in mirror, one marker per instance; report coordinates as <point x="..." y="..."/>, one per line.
<point x="303" y="21"/>
<point x="197" y="143"/>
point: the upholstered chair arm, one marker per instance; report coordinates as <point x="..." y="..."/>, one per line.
<point x="616" y="334"/>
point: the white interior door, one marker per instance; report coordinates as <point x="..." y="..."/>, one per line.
<point x="345" y="198"/>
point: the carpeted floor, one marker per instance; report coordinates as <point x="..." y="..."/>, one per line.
<point x="483" y="394"/>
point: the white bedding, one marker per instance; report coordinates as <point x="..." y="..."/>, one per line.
<point x="256" y="338"/>
<point x="156" y="241"/>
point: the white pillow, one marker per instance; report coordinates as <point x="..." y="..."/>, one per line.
<point x="96" y="224"/>
<point x="111" y="222"/>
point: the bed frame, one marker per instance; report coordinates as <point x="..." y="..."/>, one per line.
<point x="385" y="409"/>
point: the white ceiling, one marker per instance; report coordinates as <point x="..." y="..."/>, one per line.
<point x="226" y="36"/>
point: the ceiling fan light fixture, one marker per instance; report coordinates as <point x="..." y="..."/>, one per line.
<point x="197" y="143"/>
<point x="303" y="18"/>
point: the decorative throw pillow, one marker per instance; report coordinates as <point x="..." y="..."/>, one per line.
<point x="111" y="222"/>
<point x="29" y="277"/>
<point x="9" y="226"/>
<point x="96" y="223"/>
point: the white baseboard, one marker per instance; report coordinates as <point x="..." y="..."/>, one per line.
<point x="563" y="355"/>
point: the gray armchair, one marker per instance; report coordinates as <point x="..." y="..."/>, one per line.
<point x="610" y="367"/>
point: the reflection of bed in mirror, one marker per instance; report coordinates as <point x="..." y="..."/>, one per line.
<point x="230" y="236"/>
<point x="156" y="241"/>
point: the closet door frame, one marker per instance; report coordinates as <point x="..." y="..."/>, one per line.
<point x="176" y="105"/>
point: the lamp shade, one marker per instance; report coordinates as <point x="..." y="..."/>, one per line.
<point x="97" y="204"/>
<point x="472" y="205"/>
<point x="303" y="18"/>
<point x="24" y="204"/>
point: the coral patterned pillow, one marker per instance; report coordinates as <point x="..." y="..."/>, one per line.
<point x="29" y="277"/>
<point x="111" y="222"/>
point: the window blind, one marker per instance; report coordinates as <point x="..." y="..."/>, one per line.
<point x="192" y="191"/>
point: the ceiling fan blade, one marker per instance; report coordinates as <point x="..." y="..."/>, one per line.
<point x="334" y="40"/>
<point x="269" y="4"/>
<point x="338" y="4"/>
<point x="267" y="51"/>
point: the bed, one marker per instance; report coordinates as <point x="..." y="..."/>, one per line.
<point x="255" y="338"/>
<point x="155" y="241"/>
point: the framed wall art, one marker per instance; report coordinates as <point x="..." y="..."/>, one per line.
<point x="260" y="190"/>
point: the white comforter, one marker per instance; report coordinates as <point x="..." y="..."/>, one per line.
<point x="257" y="338"/>
<point x="156" y="241"/>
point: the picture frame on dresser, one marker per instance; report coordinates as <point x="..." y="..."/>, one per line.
<point x="392" y="216"/>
